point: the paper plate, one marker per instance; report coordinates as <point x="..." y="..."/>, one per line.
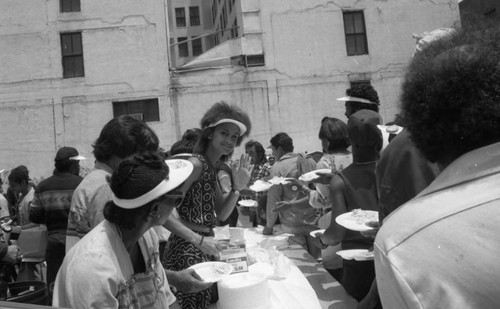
<point x="357" y="219"/>
<point x="312" y="174"/>
<point x="213" y="271"/>
<point x="278" y="180"/>
<point x="260" y="186"/>
<point x="313" y="233"/>
<point x="356" y="254"/>
<point x="248" y="203"/>
<point x="392" y="129"/>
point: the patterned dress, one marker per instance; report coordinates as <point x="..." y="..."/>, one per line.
<point x="198" y="207"/>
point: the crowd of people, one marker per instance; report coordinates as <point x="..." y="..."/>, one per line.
<point x="125" y="235"/>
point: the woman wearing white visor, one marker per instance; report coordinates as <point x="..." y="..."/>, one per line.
<point x="117" y="265"/>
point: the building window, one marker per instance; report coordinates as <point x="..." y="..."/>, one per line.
<point x="69" y="6"/>
<point x="183" y="47"/>
<point x="355" y="33"/>
<point x="234" y="30"/>
<point x="224" y="17"/>
<point x="180" y="17"/>
<point x="146" y="110"/>
<point x="194" y="16"/>
<point x="197" y="46"/>
<point x="72" y="54"/>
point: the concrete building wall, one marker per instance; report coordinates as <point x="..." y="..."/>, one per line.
<point x="125" y="47"/>
<point x="307" y="67"/>
<point x="189" y="31"/>
<point x="124" y="50"/>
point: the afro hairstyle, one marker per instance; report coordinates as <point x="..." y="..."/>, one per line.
<point x="218" y="111"/>
<point x="451" y="93"/>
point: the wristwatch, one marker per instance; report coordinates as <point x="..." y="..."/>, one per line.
<point x="237" y="192"/>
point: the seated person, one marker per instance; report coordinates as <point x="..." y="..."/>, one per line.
<point x="117" y="265"/>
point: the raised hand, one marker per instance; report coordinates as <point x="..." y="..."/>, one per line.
<point x="241" y="171"/>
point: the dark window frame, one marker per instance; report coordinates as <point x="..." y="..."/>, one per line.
<point x="180" y="19"/>
<point x="72" y="54"/>
<point x="355" y="38"/>
<point x="183" y="46"/>
<point x="196" y="46"/>
<point x="67" y="6"/>
<point x="234" y="30"/>
<point x="147" y="110"/>
<point x="194" y="20"/>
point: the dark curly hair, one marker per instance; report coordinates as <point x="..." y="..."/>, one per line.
<point x="451" y="93"/>
<point x="187" y="142"/>
<point x="282" y="140"/>
<point x="363" y="91"/>
<point x="124" y="136"/>
<point x="19" y="174"/>
<point x="335" y="132"/>
<point x="132" y="179"/>
<point x="218" y="111"/>
<point x="261" y="152"/>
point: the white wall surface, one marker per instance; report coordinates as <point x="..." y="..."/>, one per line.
<point x="125" y="54"/>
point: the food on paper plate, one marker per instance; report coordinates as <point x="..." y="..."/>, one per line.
<point x="248" y="203"/>
<point x="364" y="216"/>
<point x="310" y="176"/>
<point x="357" y="220"/>
<point x="278" y="180"/>
<point x="260" y="185"/>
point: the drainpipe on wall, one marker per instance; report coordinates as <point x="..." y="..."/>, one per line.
<point x="173" y="83"/>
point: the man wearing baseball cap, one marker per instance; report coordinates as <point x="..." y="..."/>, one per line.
<point x="355" y="188"/>
<point x="51" y="204"/>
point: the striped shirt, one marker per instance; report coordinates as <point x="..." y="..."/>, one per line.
<point x="51" y="203"/>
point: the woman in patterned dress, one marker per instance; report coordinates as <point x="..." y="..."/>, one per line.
<point x="224" y="127"/>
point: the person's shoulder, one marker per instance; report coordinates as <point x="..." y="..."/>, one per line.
<point x="337" y="182"/>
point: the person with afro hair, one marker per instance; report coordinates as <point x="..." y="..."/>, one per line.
<point x="360" y="96"/>
<point x="440" y="249"/>
<point x="223" y="128"/>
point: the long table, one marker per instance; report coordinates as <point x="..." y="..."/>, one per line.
<point x="329" y="292"/>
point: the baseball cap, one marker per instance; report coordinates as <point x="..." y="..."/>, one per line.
<point x="68" y="153"/>
<point x="362" y="128"/>
<point x="146" y="184"/>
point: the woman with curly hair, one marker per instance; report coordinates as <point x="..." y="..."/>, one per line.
<point x="117" y="265"/>
<point x="224" y="127"/>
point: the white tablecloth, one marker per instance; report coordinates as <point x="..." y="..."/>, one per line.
<point x="293" y="292"/>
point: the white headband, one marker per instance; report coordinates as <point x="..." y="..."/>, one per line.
<point x="355" y="99"/>
<point x="240" y="125"/>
